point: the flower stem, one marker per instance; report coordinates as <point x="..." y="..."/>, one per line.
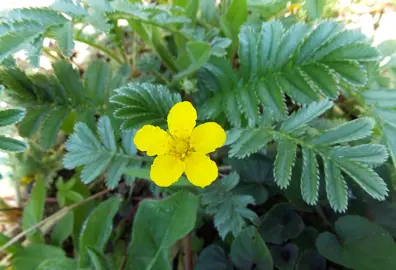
<point x="99" y="47"/>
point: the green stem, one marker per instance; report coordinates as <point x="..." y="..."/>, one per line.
<point x="99" y="47"/>
<point x="131" y="17"/>
<point x="48" y="53"/>
<point x="120" y="39"/>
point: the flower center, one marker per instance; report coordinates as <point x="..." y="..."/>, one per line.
<point x="180" y="148"/>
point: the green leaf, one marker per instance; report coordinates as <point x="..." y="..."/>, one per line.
<point x="314" y="8"/>
<point x="323" y="78"/>
<point x="336" y="187"/>
<point x="365" y="177"/>
<point x="34" y="210"/>
<point x="271" y="95"/>
<point x="30" y="257"/>
<point x="98" y="260"/>
<point x="142" y="104"/>
<point x="62" y="230"/>
<point x="284" y="162"/>
<point x="13" y="42"/>
<point x="372" y="155"/>
<point x="361" y="236"/>
<point x="350" y="131"/>
<point x="247" y="51"/>
<point x="11" y="116"/>
<point x="236" y="14"/>
<point x="213" y="257"/>
<point x="285" y="257"/>
<point x="198" y="53"/>
<point x="64" y="38"/>
<point x="310" y="177"/>
<point x="305" y="62"/>
<point x="309" y="260"/>
<point x="171" y="219"/>
<point x="51" y="126"/>
<point x="84" y="149"/>
<point x="106" y="134"/>
<point x="228" y="207"/>
<point x="97" y="229"/>
<point x="12" y="248"/>
<point x="250" y="141"/>
<point x="255" y="169"/>
<point x="57" y="264"/>
<point x="96" y="79"/>
<point x="280" y="224"/>
<point x="69" y="78"/>
<point x="248" y="250"/>
<point x="306" y="114"/>
<point x="11" y="145"/>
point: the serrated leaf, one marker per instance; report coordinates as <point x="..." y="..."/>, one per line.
<point x="70" y="80"/>
<point x="310" y="177"/>
<point x="95" y="168"/>
<point x="11" y="116"/>
<point x="11" y="145"/>
<point x="365" y="177"/>
<point x="12" y="42"/>
<point x="248" y="52"/>
<point x="106" y="133"/>
<point x="289" y="44"/>
<point x="171" y="219"/>
<point x="270" y="94"/>
<point x="115" y="171"/>
<point x="269" y="42"/>
<point x="306" y="114"/>
<point x="97" y="229"/>
<point x="84" y="149"/>
<point x="144" y="104"/>
<point x="323" y="78"/>
<point x="336" y="188"/>
<point x="316" y="39"/>
<point x="371" y="154"/>
<point x="96" y="79"/>
<point x="350" y="71"/>
<point x="198" y="53"/>
<point x="350" y="131"/>
<point x="250" y="141"/>
<point x="284" y="162"/>
<point x="296" y="86"/>
<point x="229" y="209"/>
<point x="389" y="132"/>
<point x="51" y="126"/>
<point x="64" y="38"/>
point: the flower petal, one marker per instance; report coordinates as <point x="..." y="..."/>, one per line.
<point x="207" y="137"/>
<point x="181" y="119"/>
<point x="152" y="139"/>
<point x="200" y="170"/>
<point x="166" y="170"/>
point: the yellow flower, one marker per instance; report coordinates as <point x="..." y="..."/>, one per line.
<point x="26" y="180"/>
<point x="294" y="7"/>
<point x="183" y="148"/>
